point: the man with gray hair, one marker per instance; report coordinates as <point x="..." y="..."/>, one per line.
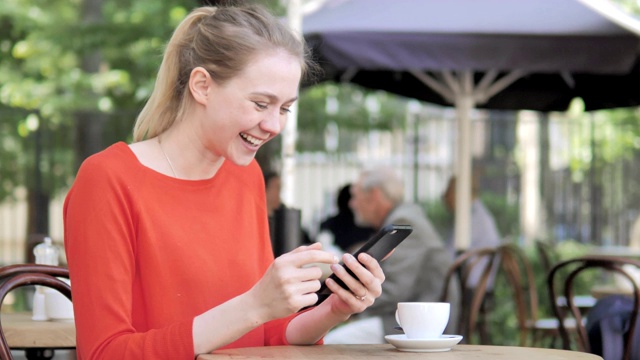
<point x="415" y="271"/>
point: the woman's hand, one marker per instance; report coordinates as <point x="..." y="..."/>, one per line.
<point x="289" y="284"/>
<point x="363" y="290"/>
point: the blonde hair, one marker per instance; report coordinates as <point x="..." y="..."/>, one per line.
<point x="222" y="40"/>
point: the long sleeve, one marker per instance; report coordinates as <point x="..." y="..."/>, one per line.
<point x="147" y="253"/>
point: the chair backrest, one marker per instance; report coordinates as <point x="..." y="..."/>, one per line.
<point x="566" y="272"/>
<point x="15" y="276"/>
<point x="521" y="279"/>
<point x="513" y="263"/>
<point x="12" y="270"/>
<point x="458" y="273"/>
<point x="546" y="254"/>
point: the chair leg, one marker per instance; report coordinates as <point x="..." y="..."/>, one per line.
<point x="39" y="354"/>
<point x="483" y="324"/>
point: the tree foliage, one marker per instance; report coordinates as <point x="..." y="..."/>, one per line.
<point x="42" y="48"/>
<point x="43" y="44"/>
<point x="604" y="137"/>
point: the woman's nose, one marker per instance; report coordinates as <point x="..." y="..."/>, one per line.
<point x="273" y="123"/>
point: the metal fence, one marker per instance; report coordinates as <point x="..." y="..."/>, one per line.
<point x="528" y="167"/>
<point x="542" y="175"/>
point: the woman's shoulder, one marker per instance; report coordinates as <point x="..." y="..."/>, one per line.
<point x="115" y="158"/>
<point x="116" y="152"/>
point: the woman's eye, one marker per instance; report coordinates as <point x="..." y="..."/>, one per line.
<point x="260" y="106"/>
<point x="285" y="110"/>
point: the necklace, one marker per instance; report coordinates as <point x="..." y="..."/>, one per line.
<point x="166" y="157"/>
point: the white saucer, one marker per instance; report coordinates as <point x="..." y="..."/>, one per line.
<point x="443" y="343"/>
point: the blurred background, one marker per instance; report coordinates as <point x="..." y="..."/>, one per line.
<point x="74" y="74"/>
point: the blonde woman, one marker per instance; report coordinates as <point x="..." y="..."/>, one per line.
<point x="167" y="238"/>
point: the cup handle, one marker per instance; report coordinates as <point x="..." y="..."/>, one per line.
<point x="398" y="318"/>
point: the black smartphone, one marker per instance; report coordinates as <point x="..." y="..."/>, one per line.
<point x="378" y="246"/>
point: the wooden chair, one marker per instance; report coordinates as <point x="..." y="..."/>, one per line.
<point x="520" y="277"/>
<point x="549" y="328"/>
<point x="549" y="257"/>
<point x="15" y="276"/>
<point x="12" y="270"/>
<point x="575" y="267"/>
<point x="472" y="313"/>
<point x="514" y="266"/>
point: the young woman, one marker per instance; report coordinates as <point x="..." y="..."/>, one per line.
<point x="167" y="238"/>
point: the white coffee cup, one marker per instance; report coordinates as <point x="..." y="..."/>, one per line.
<point x="423" y="320"/>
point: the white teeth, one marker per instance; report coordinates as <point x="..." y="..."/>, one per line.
<point x="254" y="141"/>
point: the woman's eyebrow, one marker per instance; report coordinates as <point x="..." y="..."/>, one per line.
<point x="272" y="97"/>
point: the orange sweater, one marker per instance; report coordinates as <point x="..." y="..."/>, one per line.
<point x="147" y="253"/>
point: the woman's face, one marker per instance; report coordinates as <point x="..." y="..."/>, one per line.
<point x="250" y="109"/>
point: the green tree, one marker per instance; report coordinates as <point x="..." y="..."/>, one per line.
<point x="75" y="73"/>
<point x="631" y="6"/>
<point x="65" y="67"/>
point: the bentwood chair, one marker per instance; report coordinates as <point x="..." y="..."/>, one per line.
<point x="548" y="257"/>
<point x="12" y="270"/>
<point x="472" y="311"/>
<point x="565" y="272"/>
<point x="16" y="276"/>
<point x="515" y="266"/>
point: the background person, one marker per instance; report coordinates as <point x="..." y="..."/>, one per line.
<point x="484" y="233"/>
<point x="285" y="228"/>
<point x="414" y="272"/>
<point x="273" y="186"/>
<point x="346" y="234"/>
<point x="167" y="238"/>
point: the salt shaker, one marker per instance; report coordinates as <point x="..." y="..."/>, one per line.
<point x="46" y="254"/>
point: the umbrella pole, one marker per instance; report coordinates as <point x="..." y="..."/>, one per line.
<point x="290" y="131"/>
<point x="464" y="103"/>
<point x="461" y="93"/>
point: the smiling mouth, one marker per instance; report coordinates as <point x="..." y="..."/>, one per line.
<point x="251" y="140"/>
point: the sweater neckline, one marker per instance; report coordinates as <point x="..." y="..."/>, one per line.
<point x="131" y="156"/>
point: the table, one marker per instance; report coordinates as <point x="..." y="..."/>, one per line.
<point x="37" y="336"/>
<point x="615" y="250"/>
<point x="386" y="351"/>
<point x="600" y="291"/>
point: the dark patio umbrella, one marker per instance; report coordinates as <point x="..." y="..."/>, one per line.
<point x="497" y="54"/>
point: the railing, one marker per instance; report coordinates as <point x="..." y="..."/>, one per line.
<point x="596" y="204"/>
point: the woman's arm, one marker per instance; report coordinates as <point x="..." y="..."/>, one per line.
<point x="286" y="287"/>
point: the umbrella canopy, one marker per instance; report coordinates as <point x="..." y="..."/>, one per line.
<point x="497" y="54"/>
<point x="558" y="49"/>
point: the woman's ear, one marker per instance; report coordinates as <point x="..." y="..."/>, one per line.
<point x="199" y="84"/>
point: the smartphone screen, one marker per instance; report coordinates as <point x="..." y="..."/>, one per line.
<point x="378" y="246"/>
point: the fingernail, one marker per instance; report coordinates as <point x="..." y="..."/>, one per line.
<point x="350" y="258"/>
<point x="336" y="259"/>
<point x="335" y="267"/>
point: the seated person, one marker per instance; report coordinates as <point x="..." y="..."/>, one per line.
<point x="346" y="234"/>
<point x="484" y="232"/>
<point x="167" y="238"/>
<point x="416" y="269"/>
<point x="281" y="217"/>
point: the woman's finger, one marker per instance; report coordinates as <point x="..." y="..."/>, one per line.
<point x="310" y="256"/>
<point x="313" y="246"/>
<point x="355" y="284"/>
<point x="357" y="302"/>
<point x="372" y="265"/>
